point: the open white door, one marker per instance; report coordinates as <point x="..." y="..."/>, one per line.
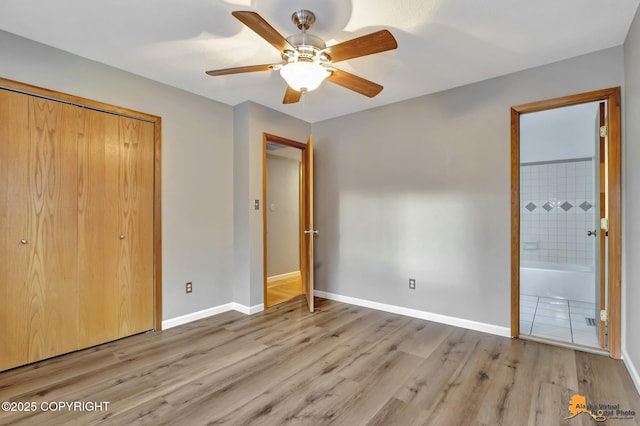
<point x="309" y="230"/>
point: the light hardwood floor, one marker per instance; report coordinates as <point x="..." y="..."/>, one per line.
<point x="342" y="365"/>
<point x="284" y="289"/>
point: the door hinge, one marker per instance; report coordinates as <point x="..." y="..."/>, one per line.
<point x="604" y="316"/>
<point x="604" y="131"/>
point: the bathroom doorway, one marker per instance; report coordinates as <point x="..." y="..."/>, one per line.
<point x="566" y="221"/>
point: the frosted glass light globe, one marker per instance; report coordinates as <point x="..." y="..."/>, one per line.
<point x="304" y="76"/>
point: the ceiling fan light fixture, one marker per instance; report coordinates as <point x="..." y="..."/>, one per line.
<point x="306" y="59"/>
<point x="304" y="76"/>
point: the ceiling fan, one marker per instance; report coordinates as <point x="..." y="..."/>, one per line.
<point x="307" y="61"/>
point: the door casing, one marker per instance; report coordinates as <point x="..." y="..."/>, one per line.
<point x="614" y="202"/>
<point x="266" y="137"/>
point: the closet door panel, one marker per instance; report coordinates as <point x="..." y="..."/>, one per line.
<point x="77" y="227"/>
<point x="98" y="230"/>
<point x="115" y="228"/>
<point x="14" y="300"/>
<point x="135" y="203"/>
<point x="51" y="270"/>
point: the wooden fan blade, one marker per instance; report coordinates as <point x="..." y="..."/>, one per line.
<point x="355" y="83"/>
<point x="263" y="29"/>
<point x="238" y="70"/>
<point x="377" y="42"/>
<point x="291" y="96"/>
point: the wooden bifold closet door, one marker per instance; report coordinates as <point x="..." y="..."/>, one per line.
<point x="38" y="211"/>
<point x="115" y="228"/>
<point x="76" y="217"/>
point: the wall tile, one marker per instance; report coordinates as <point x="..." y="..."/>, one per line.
<point x="556" y="211"/>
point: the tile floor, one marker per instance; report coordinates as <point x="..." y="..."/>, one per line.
<point x="558" y="319"/>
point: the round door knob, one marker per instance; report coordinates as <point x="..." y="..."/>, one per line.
<point x="122" y="237"/>
<point x="24" y="241"/>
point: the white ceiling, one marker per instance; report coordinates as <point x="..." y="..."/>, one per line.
<point x="441" y="43"/>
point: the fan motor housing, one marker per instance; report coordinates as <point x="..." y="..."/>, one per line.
<point x="308" y="46"/>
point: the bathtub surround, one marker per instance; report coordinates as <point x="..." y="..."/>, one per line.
<point x="557" y="208"/>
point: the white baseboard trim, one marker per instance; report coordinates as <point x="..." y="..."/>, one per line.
<point x="205" y="313"/>
<point x="288" y="275"/>
<point x="631" y="368"/>
<point x="444" y="319"/>
<point x="194" y="316"/>
<point x="248" y="310"/>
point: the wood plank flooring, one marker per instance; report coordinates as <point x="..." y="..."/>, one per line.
<point x="283" y="289"/>
<point x="342" y="365"/>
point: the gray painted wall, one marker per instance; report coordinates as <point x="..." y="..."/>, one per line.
<point x="421" y="189"/>
<point x="197" y="172"/>
<point x="250" y="122"/>
<point x="283" y="214"/>
<point x="631" y="202"/>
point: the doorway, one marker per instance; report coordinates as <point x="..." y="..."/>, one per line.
<point x="282" y="209"/>
<point x="287" y="220"/>
<point x="565" y="178"/>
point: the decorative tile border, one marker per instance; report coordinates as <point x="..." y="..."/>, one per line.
<point x="550" y="205"/>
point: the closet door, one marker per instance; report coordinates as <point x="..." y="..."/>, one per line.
<point x="14" y="148"/>
<point x="38" y="208"/>
<point x="115" y="228"/>
<point x="136" y="264"/>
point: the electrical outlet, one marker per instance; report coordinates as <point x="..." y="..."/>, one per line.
<point x="412" y="283"/>
<point x="188" y="287"/>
